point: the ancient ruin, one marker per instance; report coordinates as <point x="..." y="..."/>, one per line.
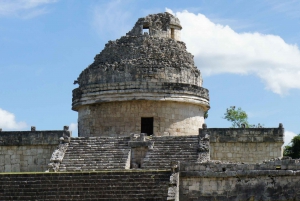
<point x="142" y="135"/>
<point x="142" y="83"/>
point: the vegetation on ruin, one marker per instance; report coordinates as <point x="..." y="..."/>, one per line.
<point x="206" y="114"/>
<point x="237" y="117"/>
<point x="293" y="149"/>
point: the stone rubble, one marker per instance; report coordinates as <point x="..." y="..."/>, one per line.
<point x="58" y="154"/>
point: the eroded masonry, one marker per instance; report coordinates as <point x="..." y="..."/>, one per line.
<point x="142" y="135"/>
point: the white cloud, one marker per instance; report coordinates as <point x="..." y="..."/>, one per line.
<point x="8" y="121"/>
<point x="24" y="8"/>
<point x="288" y="136"/>
<point x="74" y="128"/>
<point x="219" y="49"/>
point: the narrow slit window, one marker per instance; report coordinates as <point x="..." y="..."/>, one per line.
<point x="147" y="125"/>
<point x="172" y="33"/>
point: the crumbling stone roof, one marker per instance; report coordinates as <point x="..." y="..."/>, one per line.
<point x="136" y="57"/>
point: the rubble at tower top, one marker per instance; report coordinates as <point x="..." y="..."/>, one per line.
<point x="159" y="25"/>
<point x="156" y="56"/>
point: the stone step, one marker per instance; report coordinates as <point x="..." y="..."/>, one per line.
<point x="168" y="149"/>
<point x="93" y="154"/>
<point x="105" y="185"/>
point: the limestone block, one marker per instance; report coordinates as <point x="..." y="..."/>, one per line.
<point x="7" y="168"/>
<point x="2" y="160"/>
<point x="15" y="168"/>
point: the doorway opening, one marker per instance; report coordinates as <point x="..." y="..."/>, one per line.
<point x="147" y="125"/>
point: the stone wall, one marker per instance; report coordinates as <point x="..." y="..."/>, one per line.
<point x="25" y="158"/>
<point x="245" y="152"/>
<point x="247" y="145"/>
<point x="273" y="180"/>
<point x="123" y="118"/>
<point x="28" y="151"/>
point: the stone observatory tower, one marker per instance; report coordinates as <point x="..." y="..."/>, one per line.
<point x="144" y="82"/>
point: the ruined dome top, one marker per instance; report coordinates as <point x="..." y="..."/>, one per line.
<point x="143" y="57"/>
<point x="151" y="60"/>
<point x="161" y="24"/>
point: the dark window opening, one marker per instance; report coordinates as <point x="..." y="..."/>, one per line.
<point x="147" y="125"/>
<point x="145" y="30"/>
<point x="172" y="33"/>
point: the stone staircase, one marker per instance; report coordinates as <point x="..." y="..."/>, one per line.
<point x="115" y="185"/>
<point x="96" y="153"/>
<point x="171" y="148"/>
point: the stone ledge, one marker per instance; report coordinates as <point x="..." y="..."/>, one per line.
<point x="107" y="92"/>
<point x="135" y="96"/>
<point x="19" y="138"/>
<point x="134" y="144"/>
<point x="240" y="173"/>
<point x="226" y="135"/>
<point x="218" y="166"/>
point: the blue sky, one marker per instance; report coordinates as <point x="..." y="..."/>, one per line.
<point x="248" y="53"/>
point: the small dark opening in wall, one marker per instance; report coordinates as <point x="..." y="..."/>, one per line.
<point x="172" y="33"/>
<point x="224" y="169"/>
<point x="139" y="165"/>
<point x="147" y="125"/>
<point x="145" y="29"/>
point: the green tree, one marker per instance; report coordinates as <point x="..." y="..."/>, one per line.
<point x="206" y="114"/>
<point x="237" y="117"/>
<point x="293" y="150"/>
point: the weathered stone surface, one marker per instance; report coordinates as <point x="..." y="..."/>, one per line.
<point x="18" y="138"/>
<point x="168" y="149"/>
<point x="228" y="181"/>
<point x="248" y="145"/>
<point x="122" y="118"/>
<point x="137" y="57"/>
<point x="25" y="158"/>
<point x="58" y="154"/>
<point x="96" y="153"/>
<point x="159" y="25"/>
<point x="226" y="135"/>
<point x="27" y="151"/>
<point x="105" y="185"/>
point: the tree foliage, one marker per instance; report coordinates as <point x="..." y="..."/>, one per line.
<point x="237" y="117"/>
<point x="293" y="150"/>
<point x="205" y="114"/>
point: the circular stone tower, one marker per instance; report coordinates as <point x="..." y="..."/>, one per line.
<point x="144" y="82"/>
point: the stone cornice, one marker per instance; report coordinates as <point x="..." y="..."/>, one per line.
<point x="178" y="92"/>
